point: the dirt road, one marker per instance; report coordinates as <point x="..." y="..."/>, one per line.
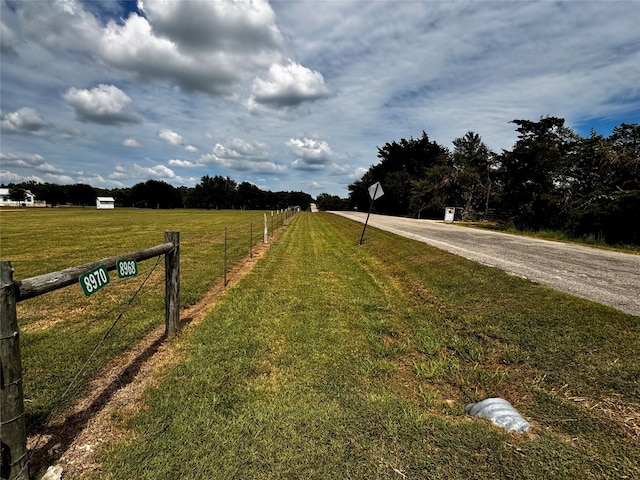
<point x="606" y="277"/>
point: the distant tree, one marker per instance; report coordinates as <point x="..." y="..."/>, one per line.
<point x="251" y="197"/>
<point x="155" y="194"/>
<point x="327" y="202"/>
<point x="17" y="194"/>
<point x="217" y="192"/>
<point x="401" y="165"/>
<point x="122" y="196"/>
<point x="298" y="199"/>
<point x="81" y="194"/>
<point x="51" y="193"/>
<point x="358" y="193"/>
<point x="473" y="163"/>
<point x="435" y="190"/>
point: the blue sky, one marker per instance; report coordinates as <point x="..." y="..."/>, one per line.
<point x="294" y="95"/>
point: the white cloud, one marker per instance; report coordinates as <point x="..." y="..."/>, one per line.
<point x="7" y="176"/>
<point x="58" y="24"/>
<point x="313" y="154"/>
<point x="24" y="121"/>
<point x="240" y="155"/>
<point x="287" y="86"/>
<point x="310" y="149"/>
<point x="199" y="46"/>
<point x="171" y="137"/>
<point x="104" y="104"/>
<point x="238" y="148"/>
<point x="98" y="180"/>
<point x="119" y="173"/>
<point x="23" y="167"/>
<point x="182" y="163"/>
<point x="131" y="143"/>
<point x="157" y="171"/>
<point x="30" y="161"/>
<point x="238" y="26"/>
<point x="190" y="148"/>
<point x="137" y="173"/>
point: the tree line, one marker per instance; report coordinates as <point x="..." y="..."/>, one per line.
<point x="552" y="179"/>
<point x="216" y="192"/>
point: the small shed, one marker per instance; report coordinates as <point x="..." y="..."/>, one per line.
<point x="105" y="203"/>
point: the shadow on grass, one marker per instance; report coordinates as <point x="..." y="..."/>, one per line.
<point x="62" y="436"/>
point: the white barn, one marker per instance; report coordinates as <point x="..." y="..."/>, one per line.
<point x="105" y="203"/>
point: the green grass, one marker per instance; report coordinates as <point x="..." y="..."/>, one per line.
<point x="555" y="235"/>
<point x="333" y="360"/>
<point x="60" y="329"/>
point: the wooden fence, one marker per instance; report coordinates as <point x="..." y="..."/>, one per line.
<point x="14" y="459"/>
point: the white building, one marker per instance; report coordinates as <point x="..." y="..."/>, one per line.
<point x="29" y="199"/>
<point x="105" y="203"/>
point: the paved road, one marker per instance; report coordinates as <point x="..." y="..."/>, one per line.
<point x="603" y="276"/>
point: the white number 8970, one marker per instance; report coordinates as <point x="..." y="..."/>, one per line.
<point x="95" y="280"/>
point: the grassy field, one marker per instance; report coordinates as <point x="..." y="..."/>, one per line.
<point x="331" y="360"/>
<point x="59" y="330"/>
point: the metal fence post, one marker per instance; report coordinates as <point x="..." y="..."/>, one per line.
<point x="172" y="283"/>
<point x="266" y="232"/>
<point x="12" y="423"/>
<point x="225" y="256"/>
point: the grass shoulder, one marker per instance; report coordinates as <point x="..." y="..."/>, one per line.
<point x="554" y="235"/>
<point x="334" y="360"/>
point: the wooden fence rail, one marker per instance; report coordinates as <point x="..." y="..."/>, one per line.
<point x="13" y="445"/>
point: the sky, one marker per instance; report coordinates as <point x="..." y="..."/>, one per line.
<point x="294" y="95"/>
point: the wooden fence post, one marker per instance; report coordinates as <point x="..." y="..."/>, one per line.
<point x="172" y="283"/>
<point x="12" y="424"/>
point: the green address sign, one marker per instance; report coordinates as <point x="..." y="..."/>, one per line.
<point x="127" y="268"/>
<point x="94" y="280"/>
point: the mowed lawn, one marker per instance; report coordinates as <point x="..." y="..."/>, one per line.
<point x="60" y="330"/>
<point x="333" y="360"/>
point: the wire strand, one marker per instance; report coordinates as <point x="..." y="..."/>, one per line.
<point x="59" y="401"/>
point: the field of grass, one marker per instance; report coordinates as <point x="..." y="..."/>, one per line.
<point x="331" y="360"/>
<point x="59" y="330"/>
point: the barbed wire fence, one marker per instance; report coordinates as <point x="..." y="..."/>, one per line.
<point x="235" y="243"/>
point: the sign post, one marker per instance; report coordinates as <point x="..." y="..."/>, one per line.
<point x="375" y="191"/>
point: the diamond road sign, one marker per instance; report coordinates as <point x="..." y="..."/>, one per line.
<point x="375" y="191"/>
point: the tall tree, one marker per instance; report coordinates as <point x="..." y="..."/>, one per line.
<point x="325" y="202"/>
<point x="401" y="164"/>
<point x="155" y="194"/>
<point x="473" y="162"/>
<point x="606" y="200"/>
<point x="534" y="175"/>
<point x="81" y="194"/>
<point x="251" y="197"/>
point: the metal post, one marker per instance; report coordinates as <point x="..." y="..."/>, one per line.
<point x="12" y="423"/>
<point x="266" y="230"/>
<point x="172" y="283"/>
<point x="225" y="256"/>
<point x="370" y="208"/>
